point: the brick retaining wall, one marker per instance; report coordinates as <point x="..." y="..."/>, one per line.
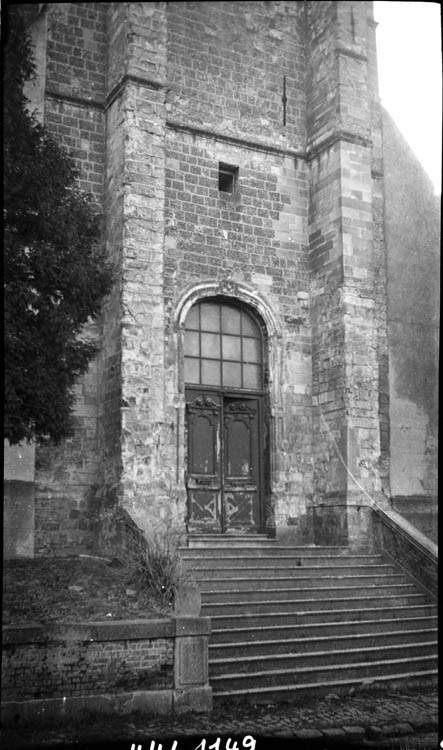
<point x="161" y="664"/>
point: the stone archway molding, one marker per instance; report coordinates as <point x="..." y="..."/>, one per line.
<point x="227" y="287"/>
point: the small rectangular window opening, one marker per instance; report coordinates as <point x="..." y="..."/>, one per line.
<point x="227" y="178"/>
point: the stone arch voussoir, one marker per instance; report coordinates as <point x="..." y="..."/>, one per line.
<point x="230" y="289"/>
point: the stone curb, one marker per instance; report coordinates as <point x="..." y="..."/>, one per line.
<point x="117" y="630"/>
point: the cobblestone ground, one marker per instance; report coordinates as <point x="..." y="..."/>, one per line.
<point x="394" y="720"/>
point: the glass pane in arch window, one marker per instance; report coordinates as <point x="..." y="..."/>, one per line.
<point x="210" y="345"/>
<point x="209" y="317"/>
<point x="232" y="374"/>
<point x="210" y="372"/>
<point x="249" y="326"/>
<point x="193" y="318"/>
<point x="192" y="370"/>
<point x="231" y="347"/>
<point x="251" y="376"/>
<point x="230" y="320"/>
<point x="192" y="343"/>
<point x="251" y="350"/>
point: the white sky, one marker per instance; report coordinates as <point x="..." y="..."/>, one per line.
<point x="410" y="76"/>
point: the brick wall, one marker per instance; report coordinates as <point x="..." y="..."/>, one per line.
<point x="226" y="63"/>
<point x="74" y="115"/>
<point x="72" y="669"/>
<point x="258" y="232"/>
<point x="75" y="86"/>
<point x="76" y="46"/>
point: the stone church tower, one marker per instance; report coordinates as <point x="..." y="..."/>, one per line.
<point x="268" y="353"/>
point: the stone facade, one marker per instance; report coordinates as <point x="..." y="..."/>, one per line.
<point x="151" y="98"/>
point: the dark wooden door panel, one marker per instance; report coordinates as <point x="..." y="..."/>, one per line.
<point x="241" y="490"/>
<point x="204" y="466"/>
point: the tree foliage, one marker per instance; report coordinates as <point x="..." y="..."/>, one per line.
<point x="55" y="269"/>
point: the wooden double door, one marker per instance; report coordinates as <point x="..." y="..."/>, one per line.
<point x="225" y="462"/>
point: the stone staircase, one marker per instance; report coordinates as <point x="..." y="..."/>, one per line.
<point x="288" y="620"/>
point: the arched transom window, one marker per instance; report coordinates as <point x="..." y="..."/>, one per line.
<point x="223" y="347"/>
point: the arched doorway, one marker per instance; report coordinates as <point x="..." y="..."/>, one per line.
<point x="224" y="373"/>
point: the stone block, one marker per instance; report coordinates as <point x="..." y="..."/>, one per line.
<point x="334" y="733"/>
<point x="197" y="699"/>
<point x="355" y="732"/>
<point x="19" y="462"/>
<point x="18" y="519"/>
<point x="191" y="625"/>
<point x="188" y="600"/>
<point x="190" y="661"/>
<point x="393" y="730"/>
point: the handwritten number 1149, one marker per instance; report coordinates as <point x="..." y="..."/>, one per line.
<point x="248" y="743"/>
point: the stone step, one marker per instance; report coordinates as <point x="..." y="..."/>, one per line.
<point x="295" y="593"/>
<point x="292" y="692"/>
<point x="202" y="541"/>
<point x="311" y="630"/>
<point x="256" y="540"/>
<point x="360" y="670"/>
<point x="334" y="642"/>
<point x="222" y="585"/>
<point x="273" y="550"/>
<point x="319" y="616"/>
<point x="271" y="570"/>
<point x="337" y="657"/>
<point x="299" y="605"/>
<point x="193" y="561"/>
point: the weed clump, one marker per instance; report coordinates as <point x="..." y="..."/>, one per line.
<point x="154" y="565"/>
